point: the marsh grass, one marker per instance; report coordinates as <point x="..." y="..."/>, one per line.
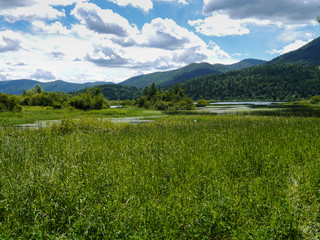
<point x="181" y="177"/>
<point x="35" y="113"/>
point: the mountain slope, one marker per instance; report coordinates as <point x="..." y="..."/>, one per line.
<point x="308" y="54"/>
<point x="275" y="82"/>
<point x="119" y="92"/>
<point x="16" y="86"/>
<point x="169" y="78"/>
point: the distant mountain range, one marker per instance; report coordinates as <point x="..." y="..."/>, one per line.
<point x="169" y="78"/>
<point x="17" y="86"/>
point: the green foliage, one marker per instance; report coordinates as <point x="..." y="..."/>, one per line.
<point x="184" y="177"/>
<point x="271" y="82"/>
<point x="172" y="99"/>
<point x="315" y="99"/>
<point x="43" y="98"/>
<point x="9" y="103"/>
<point x="89" y="99"/>
<point x="202" y="103"/>
<point x="119" y="92"/>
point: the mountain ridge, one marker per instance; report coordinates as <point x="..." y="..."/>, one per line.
<point x="169" y="78"/>
<point x="17" y="86"/>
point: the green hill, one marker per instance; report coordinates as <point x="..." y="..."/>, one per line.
<point x="308" y="54"/>
<point x="16" y="86"/>
<point x="275" y="82"/>
<point x="169" y="78"/>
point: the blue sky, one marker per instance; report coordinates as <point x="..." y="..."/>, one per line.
<point x="112" y="40"/>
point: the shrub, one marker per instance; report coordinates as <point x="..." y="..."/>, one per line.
<point x="202" y="103"/>
<point x="315" y="99"/>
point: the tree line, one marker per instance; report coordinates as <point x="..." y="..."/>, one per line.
<point x="89" y="99"/>
<point x="85" y="100"/>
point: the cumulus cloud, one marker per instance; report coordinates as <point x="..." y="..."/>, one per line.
<point x="166" y="34"/>
<point x="29" y="10"/>
<point x="7" y="4"/>
<point x="9" y="41"/>
<point x="222" y="25"/>
<point x="219" y="25"/>
<point x="290" y="47"/>
<point x="286" y="11"/>
<point x="145" y="5"/>
<point x="103" y="21"/>
<point x="53" y="28"/>
<point x="107" y="57"/>
<point x="42" y="75"/>
<point x="31" y="13"/>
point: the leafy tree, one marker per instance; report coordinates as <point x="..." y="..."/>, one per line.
<point x="172" y="99"/>
<point x="9" y="103"/>
<point x="202" y="103"/>
<point x="315" y="99"/>
<point x="89" y="99"/>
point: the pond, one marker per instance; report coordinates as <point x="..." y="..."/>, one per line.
<point x="245" y="103"/>
<point x="232" y="107"/>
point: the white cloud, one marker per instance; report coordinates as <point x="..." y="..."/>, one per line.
<point x="145" y="5"/>
<point x="54" y="28"/>
<point x="166" y="34"/>
<point x="219" y="25"/>
<point x="293" y="33"/>
<point x="184" y="2"/>
<point x="103" y="21"/>
<point x="31" y="12"/>
<point x="290" y="47"/>
<point x="43" y="75"/>
<point x="10" y="41"/>
<point x="222" y="25"/>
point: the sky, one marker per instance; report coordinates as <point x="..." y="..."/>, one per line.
<point x="112" y="40"/>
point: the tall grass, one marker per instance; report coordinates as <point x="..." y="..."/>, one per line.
<point x="182" y="177"/>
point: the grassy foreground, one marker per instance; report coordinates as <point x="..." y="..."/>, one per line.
<point x="182" y="177"/>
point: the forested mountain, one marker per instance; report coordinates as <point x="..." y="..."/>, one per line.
<point x="308" y="54"/>
<point x="16" y="86"/>
<point x="118" y="92"/>
<point x="169" y="78"/>
<point x="276" y="82"/>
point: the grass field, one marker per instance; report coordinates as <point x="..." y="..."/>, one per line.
<point x="180" y="177"/>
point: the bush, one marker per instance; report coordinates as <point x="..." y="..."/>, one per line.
<point x="9" y="103"/>
<point x="89" y="99"/>
<point x="173" y="99"/>
<point x="202" y="103"/>
<point x="315" y="99"/>
<point x="57" y="105"/>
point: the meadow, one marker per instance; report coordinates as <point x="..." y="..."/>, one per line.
<point x="234" y="176"/>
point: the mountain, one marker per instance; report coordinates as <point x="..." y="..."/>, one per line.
<point x="291" y="76"/>
<point x="17" y="86"/>
<point x="169" y="78"/>
<point x="268" y="82"/>
<point x="309" y="54"/>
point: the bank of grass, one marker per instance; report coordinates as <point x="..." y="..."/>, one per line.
<point x="31" y="114"/>
<point x="182" y="177"/>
